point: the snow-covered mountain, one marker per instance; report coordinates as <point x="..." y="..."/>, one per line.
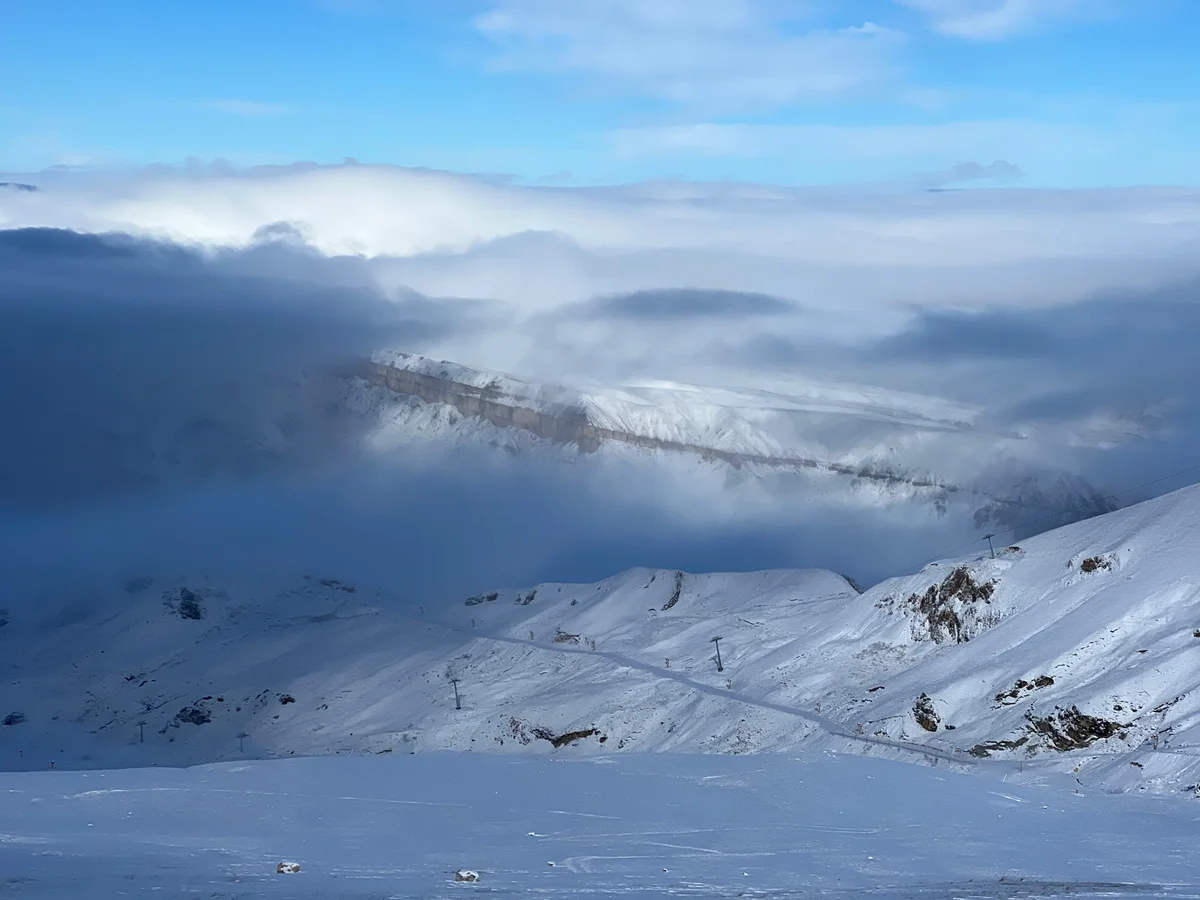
<point x="1077" y="649"/>
<point x="849" y="445"/>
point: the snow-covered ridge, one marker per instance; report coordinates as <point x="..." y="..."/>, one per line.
<point x="736" y="427"/>
<point x="1078" y="648"/>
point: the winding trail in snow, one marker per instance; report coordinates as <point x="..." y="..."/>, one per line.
<point x="830" y="726"/>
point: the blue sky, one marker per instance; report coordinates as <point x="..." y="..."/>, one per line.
<point x="1069" y="92"/>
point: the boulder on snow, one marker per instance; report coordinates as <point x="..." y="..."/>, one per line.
<point x="466" y="875"/>
<point x="287" y="868"/>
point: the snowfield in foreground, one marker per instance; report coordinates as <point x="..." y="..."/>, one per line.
<point x="635" y="826"/>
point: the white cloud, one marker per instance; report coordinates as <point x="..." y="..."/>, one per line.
<point x="999" y="19"/>
<point x="426" y="216"/>
<point x="862" y="260"/>
<point x="824" y="144"/>
<point x="247" y="107"/>
<point x="721" y="54"/>
<point x="868" y="276"/>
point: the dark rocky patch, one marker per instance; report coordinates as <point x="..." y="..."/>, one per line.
<point x="676" y="593"/>
<point x="526" y="599"/>
<point x="1022" y="688"/>
<point x="987" y="748"/>
<point x="192" y="715"/>
<point x="1070" y="729"/>
<point x="571" y="737"/>
<point x="926" y="716"/>
<point x="184" y="603"/>
<point x="338" y="585"/>
<point x="13" y="718"/>
<point x="1095" y="564"/>
<point x="563" y="637"/>
<point x="483" y="598"/>
<point x="527" y="734"/>
<point x="948" y="611"/>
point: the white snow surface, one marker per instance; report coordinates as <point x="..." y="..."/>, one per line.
<point x="635" y="826"/>
<point x="369" y="670"/>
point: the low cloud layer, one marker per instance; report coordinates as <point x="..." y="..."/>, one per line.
<point x="192" y="316"/>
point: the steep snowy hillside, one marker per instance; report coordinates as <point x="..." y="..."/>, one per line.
<point x="1078" y="648"/>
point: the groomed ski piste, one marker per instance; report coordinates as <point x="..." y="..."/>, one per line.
<point x="1029" y="716"/>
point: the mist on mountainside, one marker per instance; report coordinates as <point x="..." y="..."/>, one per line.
<point x="184" y="405"/>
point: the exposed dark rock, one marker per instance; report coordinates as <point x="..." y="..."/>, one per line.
<point x="4" y="619"/>
<point x="563" y="637"/>
<point x="1095" y="564"/>
<point x="952" y="610"/>
<point x="193" y="715"/>
<point x="987" y="748"/>
<point x="526" y="599"/>
<point x="676" y="593"/>
<point x="1022" y="688"/>
<point x="285" y="699"/>
<point x="13" y="718"/>
<point x="571" y="737"/>
<point x="1070" y="729"/>
<point x="527" y="734"/>
<point x="184" y="603"/>
<point x="926" y="716"/>
<point x="483" y="598"/>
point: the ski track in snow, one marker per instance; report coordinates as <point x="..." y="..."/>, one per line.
<point x="831" y="726"/>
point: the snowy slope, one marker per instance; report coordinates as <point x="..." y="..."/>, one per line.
<point x="637" y="827"/>
<point x="1076" y="649"/>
